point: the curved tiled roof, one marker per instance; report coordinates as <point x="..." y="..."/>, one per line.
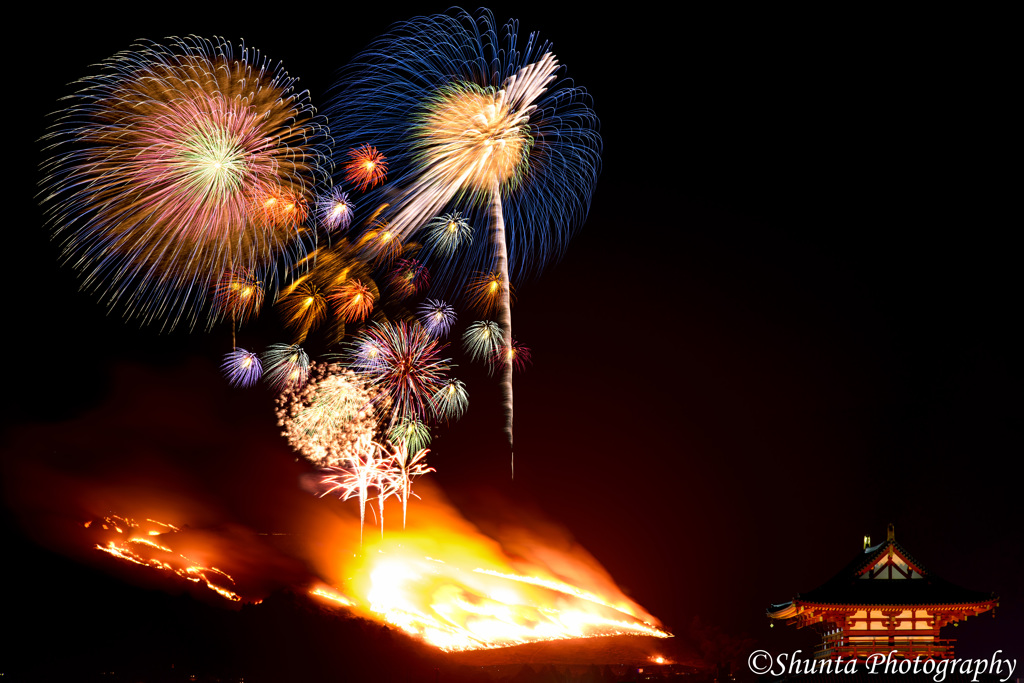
<point x="848" y="588"/>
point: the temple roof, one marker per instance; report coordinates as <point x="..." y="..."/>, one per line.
<point x="883" y="574"/>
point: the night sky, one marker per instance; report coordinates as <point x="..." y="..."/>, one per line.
<point x="790" y="318"/>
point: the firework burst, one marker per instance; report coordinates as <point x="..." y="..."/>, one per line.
<point x="482" y="339"/>
<point x="451" y="400"/>
<point x="287" y="366"/>
<point x="487" y="294"/>
<point x="242" y="368"/>
<point x="353" y="301"/>
<point x="515" y="356"/>
<point x="239" y="295"/>
<point x="473" y="117"/>
<point x="445" y="233"/>
<point x="175" y="165"/>
<point x="436" y="316"/>
<point x="381" y="242"/>
<point x="335" y="210"/>
<point x="328" y="419"/>
<point x="366" y="167"/>
<point x="409" y="278"/>
<point x="303" y="307"/>
<point x="413" y="434"/>
<point x="402" y="362"/>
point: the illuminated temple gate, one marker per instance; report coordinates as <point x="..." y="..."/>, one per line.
<point x="884" y="600"/>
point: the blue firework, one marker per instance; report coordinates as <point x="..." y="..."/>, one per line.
<point x="406" y="93"/>
<point x="472" y="117"/>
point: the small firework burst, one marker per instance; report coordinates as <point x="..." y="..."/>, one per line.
<point x="517" y="355"/>
<point x="279" y="208"/>
<point x="413" y="434"/>
<point x="409" y="278"/>
<point x="445" y="233"/>
<point x="366" y="167"/>
<point x="366" y="355"/>
<point x="451" y="400"/>
<point x="353" y="300"/>
<point x="328" y="418"/>
<point x="242" y="368"/>
<point x="482" y="339"/>
<point x="406" y="368"/>
<point x="239" y="295"/>
<point x="303" y="307"/>
<point x="486" y="293"/>
<point x="381" y="242"/>
<point x="436" y="316"/>
<point x="335" y="210"/>
<point x="287" y="366"/>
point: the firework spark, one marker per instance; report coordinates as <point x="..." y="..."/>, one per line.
<point x="482" y="339"/>
<point x="287" y="365"/>
<point x="242" y="368"/>
<point x="445" y="233"/>
<point x="369" y="467"/>
<point x="407" y="463"/>
<point x="330" y="417"/>
<point x="436" y="316"/>
<point x="175" y="165"/>
<point x="366" y="167"/>
<point x="335" y="210"/>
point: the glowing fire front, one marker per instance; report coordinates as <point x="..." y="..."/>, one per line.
<point x="454" y="604"/>
<point x="142" y="543"/>
<point x="439" y="580"/>
<point x="458" y="610"/>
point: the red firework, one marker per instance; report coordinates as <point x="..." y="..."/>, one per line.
<point x="353" y="301"/>
<point x="367" y="167"/>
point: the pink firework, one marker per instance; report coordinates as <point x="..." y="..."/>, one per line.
<point x="517" y="355"/>
<point x="409" y="278"/>
<point x="406" y="367"/>
<point x="177" y="164"/>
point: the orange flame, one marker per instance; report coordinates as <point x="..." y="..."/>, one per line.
<point x="130" y="533"/>
<point x="443" y="581"/>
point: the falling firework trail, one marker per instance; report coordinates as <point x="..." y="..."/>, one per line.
<point x="175" y="165"/>
<point x="471" y="119"/>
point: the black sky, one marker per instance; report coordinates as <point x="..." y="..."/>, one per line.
<point x="789" y="320"/>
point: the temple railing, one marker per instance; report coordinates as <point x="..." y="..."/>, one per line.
<point x="841" y="645"/>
